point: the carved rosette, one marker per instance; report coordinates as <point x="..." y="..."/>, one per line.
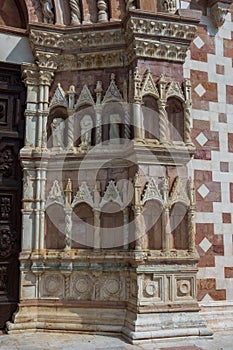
<point x="82" y="286"/>
<point x="53" y="285"/>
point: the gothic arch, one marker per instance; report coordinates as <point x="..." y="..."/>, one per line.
<point x="58" y="113"/>
<point x="179" y="224"/>
<point x="13" y="13"/>
<point x="112" y="226"/>
<point x="82" y="226"/>
<point x="175" y="113"/>
<point x="150" y="116"/>
<point x="55" y="226"/>
<point x="152" y="214"/>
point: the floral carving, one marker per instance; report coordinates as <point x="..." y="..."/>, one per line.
<point x="6" y="162"/>
<point x="7" y="242"/>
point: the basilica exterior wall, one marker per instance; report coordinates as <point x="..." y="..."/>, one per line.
<point x="128" y="114"/>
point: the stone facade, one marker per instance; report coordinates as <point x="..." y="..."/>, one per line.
<point x="126" y="216"/>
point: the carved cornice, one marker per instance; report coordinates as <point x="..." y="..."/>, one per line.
<point x="156" y="36"/>
<point x="160" y="36"/>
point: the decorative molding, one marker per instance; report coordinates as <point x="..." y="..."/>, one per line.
<point x="85" y="98"/>
<point x="178" y="193"/>
<point x="112" y="94"/>
<point x="83" y="195"/>
<point x="59" y="98"/>
<point x="152" y="192"/>
<point x="47" y="60"/>
<point x="111" y="195"/>
<point x="148" y="85"/>
<point x="55" y="195"/>
<point x="140" y="36"/>
<point x="88" y="61"/>
<point x="174" y="90"/>
<point x="159" y="28"/>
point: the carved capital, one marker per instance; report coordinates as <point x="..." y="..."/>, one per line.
<point x="218" y="12"/>
<point x="30" y="74"/>
<point x="46" y="77"/>
<point x="47" y="60"/>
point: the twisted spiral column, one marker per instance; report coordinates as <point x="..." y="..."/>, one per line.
<point x="70" y="135"/>
<point x="163" y="124"/>
<point x="187" y="122"/>
<point x="75" y="11"/>
<point x="191" y="230"/>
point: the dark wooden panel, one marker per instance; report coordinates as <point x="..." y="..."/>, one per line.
<point x="12" y="97"/>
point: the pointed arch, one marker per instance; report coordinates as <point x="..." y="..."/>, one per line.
<point x="55" y="227"/>
<point x="179" y="224"/>
<point x="150" y="117"/>
<point x="82" y="226"/>
<point x="175" y="113"/>
<point x="152" y="214"/>
<point x="14" y="13"/>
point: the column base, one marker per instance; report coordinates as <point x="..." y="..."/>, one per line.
<point x="151" y="326"/>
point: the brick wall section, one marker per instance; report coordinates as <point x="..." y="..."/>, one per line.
<point x="209" y="66"/>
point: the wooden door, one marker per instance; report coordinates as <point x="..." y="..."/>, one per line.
<point x="12" y="97"/>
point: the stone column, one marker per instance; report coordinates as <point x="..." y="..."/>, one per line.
<point x="187" y="113"/>
<point x="43" y="173"/>
<point x="166" y="228"/>
<point x="126" y="228"/>
<point x="31" y="81"/>
<point x="137" y="213"/>
<point x="68" y="214"/>
<point x="28" y="221"/>
<point x="97" y="238"/>
<point x="191" y="217"/>
<point x="75" y="12"/>
<point x="71" y="111"/>
<point x="163" y="121"/>
<point x="102" y="11"/>
<point x="37" y="206"/>
<point x="98" y="110"/>
<point x="45" y="83"/>
<point x="68" y="227"/>
<point x="137" y="100"/>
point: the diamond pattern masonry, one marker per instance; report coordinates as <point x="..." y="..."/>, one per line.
<point x="209" y="65"/>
